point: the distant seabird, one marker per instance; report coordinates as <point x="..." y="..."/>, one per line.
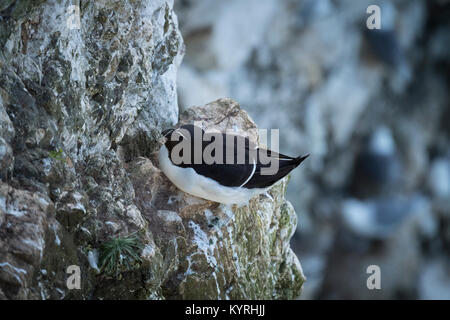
<point x="240" y="172"/>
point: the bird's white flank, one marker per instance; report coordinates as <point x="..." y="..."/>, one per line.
<point x="195" y="184"/>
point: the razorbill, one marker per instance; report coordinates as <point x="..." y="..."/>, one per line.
<point x="236" y="170"/>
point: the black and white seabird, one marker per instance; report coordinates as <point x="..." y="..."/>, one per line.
<point x="227" y="182"/>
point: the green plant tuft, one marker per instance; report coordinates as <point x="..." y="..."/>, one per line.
<point x="120" y="254"/>
<point x="57" y="155"/>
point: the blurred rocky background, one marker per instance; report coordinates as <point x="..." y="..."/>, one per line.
<point x="371" y="106"/>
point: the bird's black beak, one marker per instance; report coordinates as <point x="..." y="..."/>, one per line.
<point x="165" y="135"/>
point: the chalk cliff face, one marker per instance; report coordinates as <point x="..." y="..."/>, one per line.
<point x="81" y="108"/>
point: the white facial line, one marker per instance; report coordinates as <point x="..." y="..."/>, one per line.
<point x="251" y="174"/>
<point x="167" y="134"/>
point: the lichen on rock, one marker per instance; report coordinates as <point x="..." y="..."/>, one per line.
<point x="80" y="115"/>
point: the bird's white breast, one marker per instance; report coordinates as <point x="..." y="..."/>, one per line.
<point x="195" y="184"/>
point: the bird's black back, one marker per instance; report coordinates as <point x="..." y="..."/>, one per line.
<point x="234" y="174"/>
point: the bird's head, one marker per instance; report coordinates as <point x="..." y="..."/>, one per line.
<point x="171" y="137"/>
<point x="166" y="133"/>
<point x="165" y="136"/>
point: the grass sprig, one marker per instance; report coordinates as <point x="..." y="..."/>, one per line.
<point x="120" y="254"/>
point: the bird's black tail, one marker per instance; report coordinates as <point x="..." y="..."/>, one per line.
<point x="260" y="180"/>
<point x="300" y="159"/>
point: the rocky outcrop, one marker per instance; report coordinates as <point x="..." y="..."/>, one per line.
<point x="81" y="108"/>
<point x="214" y="251"/>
